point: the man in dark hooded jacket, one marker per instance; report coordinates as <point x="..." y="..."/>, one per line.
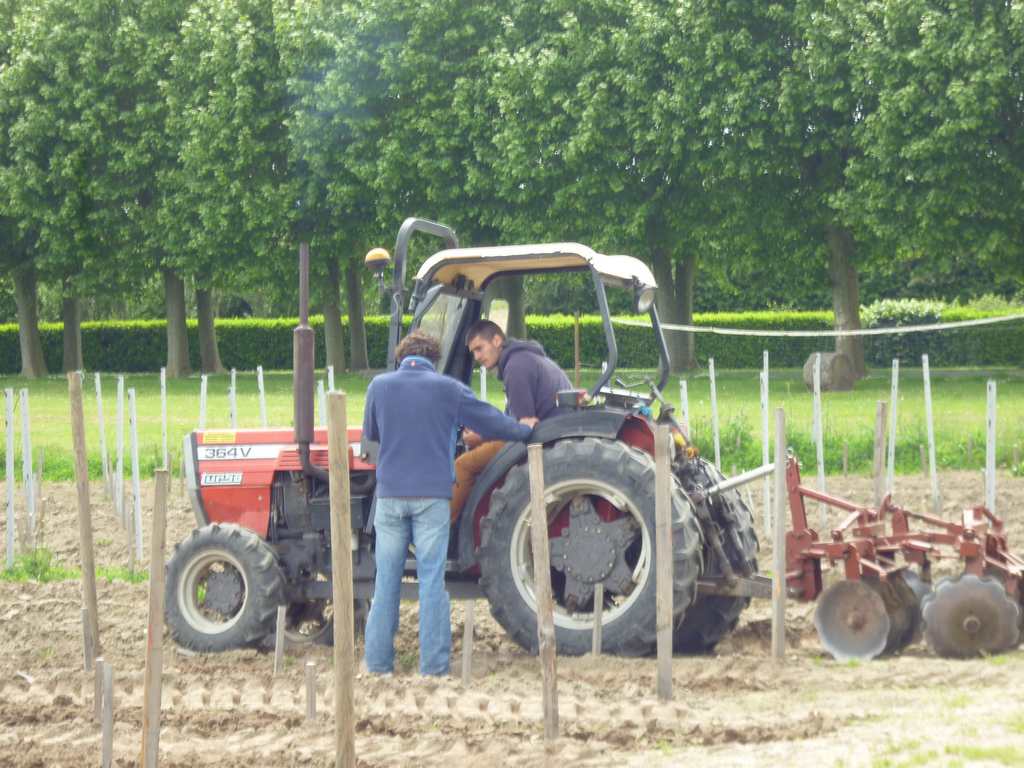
<point x="531" y="380"/>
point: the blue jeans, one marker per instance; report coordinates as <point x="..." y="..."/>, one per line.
<point x="424" y="522"/>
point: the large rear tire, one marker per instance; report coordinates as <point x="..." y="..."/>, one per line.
<point x="600" y="499"/>
<point x="711" y="617"/>
<point x="223" y="589"/>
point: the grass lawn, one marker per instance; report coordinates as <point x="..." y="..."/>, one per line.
<point x="959" y="403"/>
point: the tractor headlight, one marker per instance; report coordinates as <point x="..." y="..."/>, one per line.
<point x="644" y="298"/>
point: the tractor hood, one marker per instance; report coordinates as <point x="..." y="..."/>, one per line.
<point x="476" y="266"/>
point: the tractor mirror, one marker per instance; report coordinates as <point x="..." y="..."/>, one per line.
<point x="644" y="298"/>
<point x="377" y="259"/>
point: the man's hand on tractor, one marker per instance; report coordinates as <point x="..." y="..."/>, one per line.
<point x="471" y="438"/>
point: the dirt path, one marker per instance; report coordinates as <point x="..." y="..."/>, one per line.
<point x="733" y="708"/>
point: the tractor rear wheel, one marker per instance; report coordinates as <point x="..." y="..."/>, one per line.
<point x="712" y="617"/>
<point x="223" y="589"/>
<point x="600" y="504"/>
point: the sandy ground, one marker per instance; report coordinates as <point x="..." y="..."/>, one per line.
<point x="733" y="708"/>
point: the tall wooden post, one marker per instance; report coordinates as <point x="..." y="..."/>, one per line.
<point x="542" y="590"/>
<point x="663" y="557"/>
<point x="152" y="682"/>
<point x="894" y="393"/>
<point x="85" y="547"/>
<point x="341" y="560"/>
<point x="714" y="413"/>
<point x="779" y="541"/>
<point x="990" y="449"/>
<point x="878" y="464"/>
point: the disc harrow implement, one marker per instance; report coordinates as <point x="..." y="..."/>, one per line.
<point x="885" y="600"/>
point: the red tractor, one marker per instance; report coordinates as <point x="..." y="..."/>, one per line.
<point x="260" y="496"/>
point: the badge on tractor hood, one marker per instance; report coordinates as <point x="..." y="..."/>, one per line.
<point x="221" y="478"/>
<point x="232" y="452"/>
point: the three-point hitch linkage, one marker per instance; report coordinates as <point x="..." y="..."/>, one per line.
<point x="886" y="599"/>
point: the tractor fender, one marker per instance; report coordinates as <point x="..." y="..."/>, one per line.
<point x="604" y="423"/>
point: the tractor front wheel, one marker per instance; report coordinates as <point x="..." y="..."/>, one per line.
<point x="223" y="589"/>
<point x="599" y="496"/>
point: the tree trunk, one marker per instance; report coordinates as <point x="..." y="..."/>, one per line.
<point x="845" y="295"/>
<point x="686" y="278"/>
<point x="177" y="331"/>
<point x="209" y="354"/>
<point x="33" y="365"/>
<point x="511" y="290"/>
<point x="71" y="314"/>
<point x="334" y="338"/>
<point x="674" y="298"/>
<point x="356" y="324"/>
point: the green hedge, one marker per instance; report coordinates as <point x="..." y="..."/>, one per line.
<point x="140" y="345"/>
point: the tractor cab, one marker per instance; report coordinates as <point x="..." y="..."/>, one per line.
<point x="448" y="296"/>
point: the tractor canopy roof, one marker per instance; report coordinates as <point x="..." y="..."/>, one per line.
<point x="476" y="266"/>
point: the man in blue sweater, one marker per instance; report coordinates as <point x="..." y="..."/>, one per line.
<point x="414" y="414"/>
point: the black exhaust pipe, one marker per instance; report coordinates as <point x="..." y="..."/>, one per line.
<point x="303" y="371"/>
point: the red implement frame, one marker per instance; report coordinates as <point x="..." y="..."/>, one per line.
<point x="868" y="541"/>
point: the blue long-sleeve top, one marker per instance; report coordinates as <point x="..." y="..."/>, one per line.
<point x="414" y="413"/>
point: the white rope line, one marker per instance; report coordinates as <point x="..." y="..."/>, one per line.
<point x="858" y="332"/>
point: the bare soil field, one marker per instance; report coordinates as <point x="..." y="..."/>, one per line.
<point x="735" y="707"/>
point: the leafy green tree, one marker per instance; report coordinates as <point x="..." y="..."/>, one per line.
<point x="336" y="126"/>
<point x="228" y="195"/>
<point x="941" y="167"/>
<point x="779" y="113"/>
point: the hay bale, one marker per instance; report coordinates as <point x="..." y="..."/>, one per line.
<point x="836" y="372"/>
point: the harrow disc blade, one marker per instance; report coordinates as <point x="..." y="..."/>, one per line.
<point x="970" y="616"/>
<point x="909" y="588"/>
<point x="852" y="622"/>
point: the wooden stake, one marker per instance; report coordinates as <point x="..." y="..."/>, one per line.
<point x="779" y="541"/>
<point x="321" y="403"/>
<point x="766" y="449"/>
<point x="663" y="557"/>
<point x="894" y="392"/>
<point x="817" y="434"/>
<point x="577" y="364"/>
<point x="597" y="640"/>
<point x="85" y="548"/>
<point x="9" y="466"/>
<point x="88" y="647"/>
<point x="136" y="476"/>
<point x="97" y="689"/>
<point x="684" y="405"/>
<point x="119" y="474"/>
<point x="203" y="384"/>
<point x="990" y="448"/>
<point x="163" y="414"/>
<point x="933" y="474"/>
<point x="153" y="680"/>
<point x="542" y="590"/>
<point x="878" y="463"/>
<point x="467" y="642"/>
<point x="28" y="479"/>
<point x="341" y="559"/>
<point x="310" y="691"/>
<point x="279" y="639"/>
<point x="262" y="396"/>
<point x="714" y="412"/>
<point x="233" y="400"/>
<point x="107" y="718"/>
<point x="104" y="457"/>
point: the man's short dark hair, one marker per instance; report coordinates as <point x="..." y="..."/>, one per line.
<point x="485" y="329"/>
<point x="421" y="344"/>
